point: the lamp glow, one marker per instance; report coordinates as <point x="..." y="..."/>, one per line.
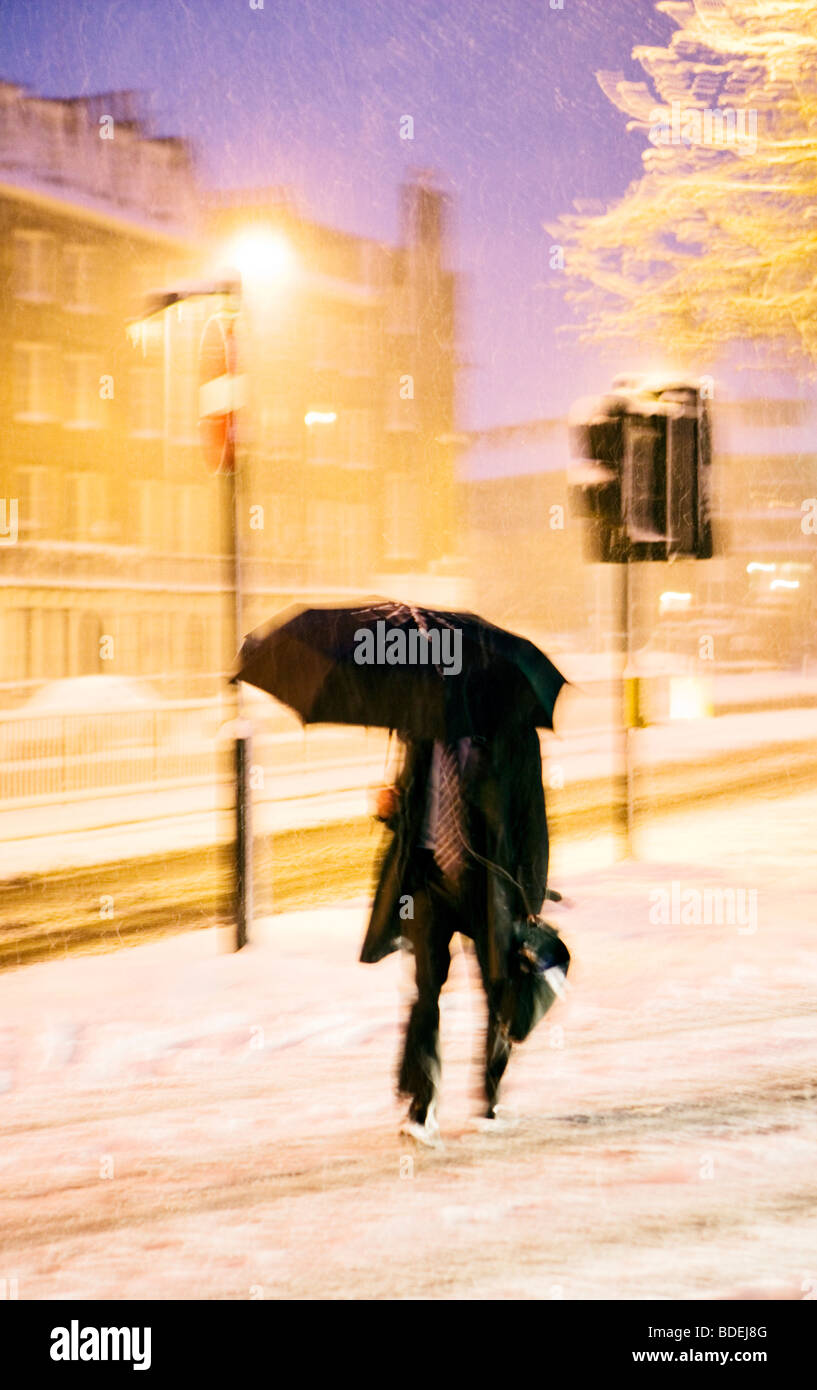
<point x="671" y="601"/>
<point x="262" y="257"/>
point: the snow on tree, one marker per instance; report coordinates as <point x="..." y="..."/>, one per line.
<point x="717" y="241"/>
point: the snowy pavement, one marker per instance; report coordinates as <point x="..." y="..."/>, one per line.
<point x="183" y="1122"/>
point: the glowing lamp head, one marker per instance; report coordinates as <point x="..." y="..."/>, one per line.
<point x="262" y="257"/>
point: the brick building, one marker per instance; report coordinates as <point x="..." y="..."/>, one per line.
<point x="112" y="535"/>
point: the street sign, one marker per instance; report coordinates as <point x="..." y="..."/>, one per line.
<point x="221" y="393"/>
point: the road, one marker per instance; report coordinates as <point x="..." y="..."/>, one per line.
<point x="180" y="1122"/>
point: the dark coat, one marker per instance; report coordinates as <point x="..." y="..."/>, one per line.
<point x="506" y="824"/>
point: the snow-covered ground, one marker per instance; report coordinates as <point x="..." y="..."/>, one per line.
<point x="183" y="1122"/>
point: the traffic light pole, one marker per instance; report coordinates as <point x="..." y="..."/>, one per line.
<point x="243" y="843"/>
<point x="629" y="711"/>
<point x="646" y="452"/>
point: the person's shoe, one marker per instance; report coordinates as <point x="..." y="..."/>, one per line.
<point x="496" y="1120"/>
<point x="427" y="1133"/>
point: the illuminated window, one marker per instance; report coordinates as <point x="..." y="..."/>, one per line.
<point x="353" y="541"/>
<point x="402" y="521"/>
<point x="324" y="343"/>
<point x="35" y="266"/>
<point x="358" y="355"/>
<point x="196" y="645"/>
<point x="322" y="440"/>
<point x="87" y="514"/>
<point x="153" y="647"/>
<point x="35" y="381"/>
<point x="78" y="278"/>
<point x="16" y="632"/>
<point x="358" y="438"/>
<point x="147" y="514"/>
<point x="32" y="489"/>
<point x="191" y="521"/>
<point x="83" y="403"/>
<point x="56" y="628"/>
<point x="89" y="638"/>
<point x="145" y="406"/>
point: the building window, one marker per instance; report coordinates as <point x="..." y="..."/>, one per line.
<point x="78" y="278"/>
<point x="17" y="644"/>
<point x="359" y="345"/>
<point x="353" y="542"/>
<point x="33" y="502"/>
<point x="147" y="514"/>
<point x="323" y="537"/>
<point x="35" y="266"/>
<point x="402" y="528"/>
<point x="191" y="521"/>
<point x="55" y="643"/>
<point x="153" y="647"/>
<point x="89" y="651"/>
<point x="145" y="406"/>
<point x="322" y="441"/>
<point x="88" y="516"/>
<point x="339" y="541"/>
<point x="323" y="343"/>
<point x="279" y="431"/>
<point x="196" y="646"/>
<point x="82" y="399"/>
<point x="35" y="382"/>
<point x="358" y="438"/>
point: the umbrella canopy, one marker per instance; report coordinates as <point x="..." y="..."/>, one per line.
<point x="424" y="672"/>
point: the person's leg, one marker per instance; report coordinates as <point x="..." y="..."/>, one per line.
<point x="497" y="1043"/>
<point x="497" y="1050"/>
<point x="429" y="933"/>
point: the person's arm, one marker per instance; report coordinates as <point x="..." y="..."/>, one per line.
<point x="387" y="805"/>
<point x="389" y="800"/>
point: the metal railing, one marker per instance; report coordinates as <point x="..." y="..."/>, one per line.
<point x="53" y="755"/>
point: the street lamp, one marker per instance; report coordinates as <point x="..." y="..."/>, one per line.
<point x="263" y="259"/>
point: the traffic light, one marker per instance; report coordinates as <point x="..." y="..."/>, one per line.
<point x="642" y="483"/>
<point x="596" y="484"/>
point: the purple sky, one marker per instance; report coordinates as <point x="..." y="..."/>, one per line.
<point x="310" y="93"/>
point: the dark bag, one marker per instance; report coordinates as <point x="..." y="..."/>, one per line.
<point x="536" y="949"/>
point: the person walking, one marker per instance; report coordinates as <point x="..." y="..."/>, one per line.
<point x="469" y="854"/>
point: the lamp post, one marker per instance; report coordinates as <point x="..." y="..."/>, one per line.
<point x="264" y="262"/>
<point x="221" y="395"/>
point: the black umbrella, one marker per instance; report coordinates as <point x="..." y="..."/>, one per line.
<point x="424" y="672"/>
